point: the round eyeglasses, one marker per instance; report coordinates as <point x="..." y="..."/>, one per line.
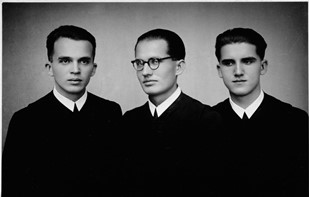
<point x="153" y="63"/>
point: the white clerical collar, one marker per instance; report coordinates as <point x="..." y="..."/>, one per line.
<point x="250" y="109"/>
<point x="69" y="103"/>
<point x="163" y="106"/>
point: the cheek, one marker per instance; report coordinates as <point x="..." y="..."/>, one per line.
<point x="168" y="74"/>
<point x="61" y="70"/>
<point x="254" y="75"/>
<point x="139" y="76"/>
<point x="226" y="75"/>
<point x="87" y="72"/>
<point x="57" y="73"/>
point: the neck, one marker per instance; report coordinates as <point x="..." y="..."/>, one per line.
<point x="73" y="96"/>
<point x="246" y="100"/>
<point x="158" y="99"/>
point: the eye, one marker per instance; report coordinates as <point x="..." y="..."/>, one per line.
<point x="248" y="61"/>
<point x="85" y="62"/>
<point x="64" y="61"/>
<point x="139" y="62"/>
<point x="154" y="61"/>
<point x="227" y="63"/>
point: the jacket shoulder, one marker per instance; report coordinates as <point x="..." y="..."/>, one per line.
<point x="221" y="106"/>
<point x="39" y="104"/>
<point x="192" y="108"/>
<point x="137" y="110"/>
<point x="100" y="100"/>
<point x="97" y="103"/>
<point x="282" y="106"/>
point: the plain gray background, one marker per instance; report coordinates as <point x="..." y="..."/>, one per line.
<point x="116" y="27"/>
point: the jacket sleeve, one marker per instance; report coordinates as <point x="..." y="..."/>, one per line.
<point x="15" y="167"/>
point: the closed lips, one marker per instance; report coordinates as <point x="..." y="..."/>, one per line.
<point x="239" y="80"/>
<point x="146" y="81"/>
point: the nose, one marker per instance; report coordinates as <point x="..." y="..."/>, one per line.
<point x="146" y="70"/>
<point x="75" y="68"/>
<point x="238" y="69"/>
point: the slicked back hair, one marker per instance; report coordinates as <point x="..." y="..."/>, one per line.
<point x="176" y="47"/>
<point x="68" y="31"/>
<point x="241" y="35"/>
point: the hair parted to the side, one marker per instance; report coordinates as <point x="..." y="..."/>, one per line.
<point x="68" y="31"/>
<point x="241" y="35"/>
<point x="176" y="47"/>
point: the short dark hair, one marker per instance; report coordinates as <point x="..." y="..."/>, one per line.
<point x="176" y="47"/>
<point x="68" y="31"/>
<point x="240" y="35"/>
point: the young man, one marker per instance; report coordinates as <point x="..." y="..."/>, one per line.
<point x="63" y="144"/>
<point x="265" y="143"/>
<point x="170" y="135"/>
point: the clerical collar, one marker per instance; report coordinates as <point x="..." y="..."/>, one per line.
<point x="163" y="106"/>
<point x="250" y="109"/>
<point x="69" y="103"/>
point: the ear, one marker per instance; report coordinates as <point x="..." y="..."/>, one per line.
<point x="94" y="69"/>
<point x="219" y="70"/>
<point x="181" y="65"/>
<point x="264" y="66"/>
<point x="49" y="68"/>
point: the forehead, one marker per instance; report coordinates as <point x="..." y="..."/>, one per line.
<point x="151" y="48"/>
<point x="238" y="50"/>
<point x="72" y="48"/>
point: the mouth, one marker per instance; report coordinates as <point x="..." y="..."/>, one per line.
<point x="149" y="82"/>
<point x="75" y="81"/>
<point x="239" y="81"/>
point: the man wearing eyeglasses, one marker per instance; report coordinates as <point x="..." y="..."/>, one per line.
<point x="172" y="136"/>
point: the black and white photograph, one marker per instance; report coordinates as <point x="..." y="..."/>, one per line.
<point x="155" y="98"/>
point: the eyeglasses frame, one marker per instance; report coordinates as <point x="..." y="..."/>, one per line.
<point x="144" y="62"/>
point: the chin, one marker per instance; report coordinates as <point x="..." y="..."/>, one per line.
<point x="149" y="90"/>
<point x="240" y="92"/>
<point x="150" y="93"/>
<point x="76" y="90"/>
<point x="153" y="93"/>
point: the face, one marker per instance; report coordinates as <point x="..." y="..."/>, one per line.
<point x="72" y="67"/>
<point x="159" y="84"/>
<point x="240" y="68"/>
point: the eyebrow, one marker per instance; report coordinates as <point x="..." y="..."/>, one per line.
<point x="227" y="60"/>
<point x="85" y="58"/>
<point x="64" y="57"/>
<point x="68" y="57"/>
<point x="242" y="59"/>
<point x="248" y="58"/>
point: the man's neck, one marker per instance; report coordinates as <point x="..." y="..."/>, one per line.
<point x="157" y="100"/>
<point x="166" y="104"/>
<point x="70" y="103"/>
<point x="247" y="100"/>
<point x="72" y="97"/>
